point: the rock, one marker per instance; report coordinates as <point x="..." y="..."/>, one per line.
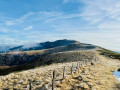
<point x="118" y="69"/>
<point x="92" y="63"/>
<point x="84" y="86"/>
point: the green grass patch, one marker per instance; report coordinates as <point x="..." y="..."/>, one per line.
<point x="109" y="53"/>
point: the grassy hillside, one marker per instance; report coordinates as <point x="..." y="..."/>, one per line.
<point x="60" y="57"/>
<point x="96" y="74"/>
<point x="19" y="58"/>
<point x="30" y="59"/>
<point x="91" y="76"/>
<point x="110" y="54"/>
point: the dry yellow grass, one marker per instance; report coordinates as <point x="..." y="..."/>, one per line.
<point x="38" y="76"/>
<point x="90" y="77"/>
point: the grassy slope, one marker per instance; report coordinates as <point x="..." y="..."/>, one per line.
<point x="53" y="55"/>
<point x="20" y="78"/>
<point x="97" y="76"/>
<point x="61" y="57"/>
<point x="110" y="54"/>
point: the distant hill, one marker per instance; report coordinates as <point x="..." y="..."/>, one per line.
<point x="43" y="54"/>
<point x="40" y="46"/>
<point x="59" y="57"/>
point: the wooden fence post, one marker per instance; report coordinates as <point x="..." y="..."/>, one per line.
<point x="30" y="86"/>
<point x="72" y="69"/>
<point x="79" y="64"/>
<point x="53" y="80"/>
<point x="64" y="73"/>
<point x="79" y="67"/>
<point x="76" y="68"/>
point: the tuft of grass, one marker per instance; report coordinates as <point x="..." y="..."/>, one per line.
<point x="109" y="53"/>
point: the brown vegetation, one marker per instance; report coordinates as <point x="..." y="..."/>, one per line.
<point x="97" y="75"/>
<point x="31" y="59"/>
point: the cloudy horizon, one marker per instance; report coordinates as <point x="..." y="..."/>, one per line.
<point x="88" y="21"/>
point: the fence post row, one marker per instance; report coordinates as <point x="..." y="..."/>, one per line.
<point x="79" y="64"/>
<point x="53" y="80"/>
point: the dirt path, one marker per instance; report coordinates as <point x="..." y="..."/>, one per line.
<point x="98" y="76"/>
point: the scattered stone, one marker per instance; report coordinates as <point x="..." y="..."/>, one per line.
<point x="118" y="69"/>
<point x="92" y="63"/>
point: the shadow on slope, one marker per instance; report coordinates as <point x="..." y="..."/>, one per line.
<point x="68" y="53"/>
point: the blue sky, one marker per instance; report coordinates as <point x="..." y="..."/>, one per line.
<point x="89" y="21"/>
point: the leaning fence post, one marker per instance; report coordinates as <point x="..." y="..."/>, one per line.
<point x="30" y="86"/>
<point x="64" y="73"/>
<point x="77" y="65"/>
<point x="72" y="69"/>
<point x="53" y="80"/>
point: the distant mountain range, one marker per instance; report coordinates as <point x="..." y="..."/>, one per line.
<point x="36" y="46"/>
<point x="44" y="45"/>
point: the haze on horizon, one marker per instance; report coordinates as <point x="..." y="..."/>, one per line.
<point x="89" y="21"/>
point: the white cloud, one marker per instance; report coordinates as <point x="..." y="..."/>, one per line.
<point x="9" y="23"/>
<point x="10" y="41"/>
<point x="31" y="44"/>
<point x="101" y="10"/>
<point x="65" y="1"/>
<point x="98" y="23"/>
<point x="108" y="39"/>
<point x="4" y="30"/>
<point x="28" y="28"/>
<point x="19" y="20"/>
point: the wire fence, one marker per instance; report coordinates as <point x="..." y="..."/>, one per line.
<point x="62" y="73"/>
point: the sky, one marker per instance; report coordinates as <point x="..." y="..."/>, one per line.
<point x="88" y="21"/>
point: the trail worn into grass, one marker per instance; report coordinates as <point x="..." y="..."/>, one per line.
<point x="97" y="76"/>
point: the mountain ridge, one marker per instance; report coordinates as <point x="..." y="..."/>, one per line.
<point x="35" y="58"/>
<point x="40" y="46"/>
